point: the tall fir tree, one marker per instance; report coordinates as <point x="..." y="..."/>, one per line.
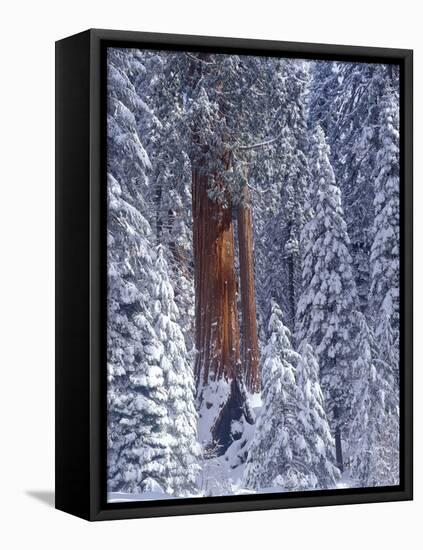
<point x="130" y="272"/>
<point x="374" y="431"/>
<point x="138" y="418"/>
<point x="179" y="380"/>
<point x="147" y="432"/>
<point x="384" y="260"/>
<point x="313" y="421"/>
<point x="170" y="193"/>
<point x="346" y="101"/>
<point x="292" y="447"/>
<point x="325" y="317"/>
<point x="281" y="177"/>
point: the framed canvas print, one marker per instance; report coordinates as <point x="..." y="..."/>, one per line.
<point x="234" y="274"/>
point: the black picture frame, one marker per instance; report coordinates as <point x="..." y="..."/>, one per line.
<point x="81" y="276"/>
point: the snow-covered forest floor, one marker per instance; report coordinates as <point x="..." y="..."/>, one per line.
<point x="223" y="475"/>
<point x="253" y="274"/>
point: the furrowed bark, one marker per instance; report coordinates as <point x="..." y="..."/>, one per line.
<point x="217" y="328"/>
<point x="216" y="315"/>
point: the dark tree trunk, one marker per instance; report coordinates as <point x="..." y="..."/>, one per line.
<point x="338" y="441"/>
<point x="291" y="292"/>
<point x="338" y="449"/>
<point x="158" y="201"/>
<point x="250" y="351"/>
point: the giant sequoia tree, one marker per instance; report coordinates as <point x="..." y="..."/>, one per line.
<point x="221" y="151"/>
<point x="218" y="362"/>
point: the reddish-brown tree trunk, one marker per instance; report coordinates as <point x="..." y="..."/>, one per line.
<point x="217" y="328"/>
<point x="216" y="315"/>
<point x="250" y="351"/>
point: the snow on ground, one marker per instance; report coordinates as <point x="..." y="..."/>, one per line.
<point x="137" y="497"/>
<point x="222" y="475"/>
<point x="125" y="497"/>
<point x="255" y="402"/>
<point x="345" y="482"/>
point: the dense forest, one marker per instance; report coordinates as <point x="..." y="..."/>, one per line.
<point x="253" y="274"/>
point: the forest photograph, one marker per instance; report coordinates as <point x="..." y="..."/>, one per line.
<point x="253" y="273"/>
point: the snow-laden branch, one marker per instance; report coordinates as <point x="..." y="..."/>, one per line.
<point x="194" y="58"/>
<point x="260" y="144"/>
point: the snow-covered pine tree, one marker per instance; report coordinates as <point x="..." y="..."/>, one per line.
<point x="387" y="342"/>
<point x="382" y="465"/>
<point x="295" y="186"/>
<point x="345" y="101"/>
<point x="272" y="460"/>
<point x="170" y="192"/>
<point x="384" y="291"/>
<point x="313" y="422"/>
<point x="325" y="317"/>
<point x="138" y="419"/>
<point x="146" y="430"/>
<point x="126" y="155"/>
<point x="374" y="431"/>
<point x="179" y="382"/>
<point x="292" y="448"/>
<point x="325" y="90"/>
<point x="135" y="453"/>
<point x="363" y="428"/>
<point x="280" y="177"/>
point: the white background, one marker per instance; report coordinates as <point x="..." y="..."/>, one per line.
<point x="28" y="32"/>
